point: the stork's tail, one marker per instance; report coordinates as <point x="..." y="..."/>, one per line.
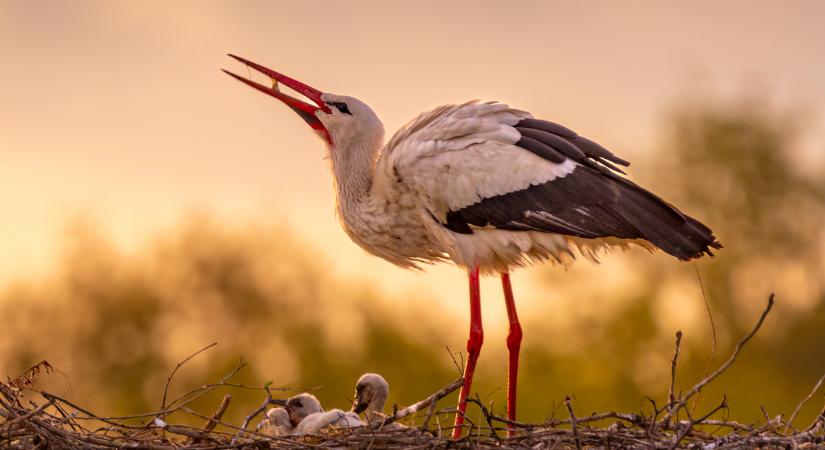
<point x="664" y="226"/>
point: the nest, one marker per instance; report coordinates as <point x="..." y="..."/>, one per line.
<point x="33" y="419"/>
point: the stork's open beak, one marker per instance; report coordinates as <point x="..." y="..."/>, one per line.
<point x="304" y="109"/>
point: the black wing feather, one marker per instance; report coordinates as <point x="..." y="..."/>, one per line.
<point x="590" y="202"/>
<point x="547" y="126"/>
<point x="541" y="149"/>
<point x="553" y="140"/>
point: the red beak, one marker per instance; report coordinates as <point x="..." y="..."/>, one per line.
<point x="305" y="110"/>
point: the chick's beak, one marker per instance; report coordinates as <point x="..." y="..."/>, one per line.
<point x="358" y="407"/>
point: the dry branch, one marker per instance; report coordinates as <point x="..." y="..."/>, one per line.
<point x="178" y="366"/>
<point x="431" y="400"/>
<point x="803" y="401"/>
<point x="739" y="346"/>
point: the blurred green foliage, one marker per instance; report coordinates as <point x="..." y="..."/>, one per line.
<point x="116" y="323"/>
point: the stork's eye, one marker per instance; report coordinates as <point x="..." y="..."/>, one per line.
<point x="341" y="107"/>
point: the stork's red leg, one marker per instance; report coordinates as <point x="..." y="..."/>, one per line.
<point x="473" y="349"/>
<point x="513" y="346"/>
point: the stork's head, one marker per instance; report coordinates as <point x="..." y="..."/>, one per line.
<point x="371" y="392"/>
<point x="339" y="119"/>
<point x="301" y="406"/>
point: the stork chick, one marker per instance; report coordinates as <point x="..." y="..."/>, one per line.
<point x="307" y="416"/>
<point x="276" y="423"/>
<point x="371" y="392"/>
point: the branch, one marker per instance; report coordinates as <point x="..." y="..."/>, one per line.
<point x="739" y="345"/>
<point x="252" y="415"/>
<point x="414" y="408"/>
<point x="213" y="422"/>
<point x="178" y="366"/>
<point x="712" y="329"/>
<point x="804" y="400"/>
<point x="487" y="415"/>
<point x="573" y="423"/>
<point x="691" y="423"/>
<point x="671" y="397"/>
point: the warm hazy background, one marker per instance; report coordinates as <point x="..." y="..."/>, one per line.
<point x="150" y="205"/>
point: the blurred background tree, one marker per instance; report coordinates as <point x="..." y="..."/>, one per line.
<point x="116" y="323"/>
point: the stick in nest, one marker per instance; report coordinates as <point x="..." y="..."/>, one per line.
<point x="427" y="402"/>
<point x="671" y="397"/>
<point x="573" y="423"/>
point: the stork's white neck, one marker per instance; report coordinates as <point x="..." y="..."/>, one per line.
<point x="352" y="166"/>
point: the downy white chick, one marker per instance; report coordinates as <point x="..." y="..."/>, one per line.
<point x="307" y="416"/>
<point x="276" y="423"/>
<point x="371" y="392"/>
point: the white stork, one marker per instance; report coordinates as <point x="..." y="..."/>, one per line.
<point x="487" y="187"/>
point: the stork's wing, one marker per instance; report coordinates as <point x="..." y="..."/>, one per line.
<point x="480" y="166"/>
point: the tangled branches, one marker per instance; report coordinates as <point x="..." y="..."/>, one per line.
<point x="34" y="419"/>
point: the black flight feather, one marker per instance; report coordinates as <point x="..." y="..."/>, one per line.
<point x="590" y="202"/>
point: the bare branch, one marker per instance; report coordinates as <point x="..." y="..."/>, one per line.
<point x="414" y="408"/>
<point x="671" y="397"/>
<point x="213" y="422"/>
<point x="803" y="401"/>
<point x="178" y="366"/>
<point x="714" y="341"/>
<point x="739" y="345"/>
<point x="573" y="423"/>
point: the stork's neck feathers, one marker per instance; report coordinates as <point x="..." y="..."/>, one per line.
<point x="353" y="159"/>
<point x="352" y="167"/>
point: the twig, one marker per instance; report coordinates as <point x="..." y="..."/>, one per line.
<point x="459" y="367"/>
<point x="573" y="423"/>
<point x="29" y="414"/>
<point x="213" y="422"/>
<point x="252" y="415"/>
<point x="712" y="330"/>
<point x="191" y="433"/>
<point x="429" y="415"/>
<point x="693" y="422"/>
<point x="820" y="418"/>
<point x="739" y="345"/>
<point x="487" y="416"/>
<point x="671" y="397"/>
<point x="192" y="395"/>
<point x="415" y="407"/>
<point x="215" y="419"/>
<point x="178" y="366"/>
<point x="804" y="400"/>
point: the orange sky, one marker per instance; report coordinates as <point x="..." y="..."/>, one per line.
<point x="117" y="110"/>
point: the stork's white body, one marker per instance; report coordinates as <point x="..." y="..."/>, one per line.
<point x="445" y="160"/>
